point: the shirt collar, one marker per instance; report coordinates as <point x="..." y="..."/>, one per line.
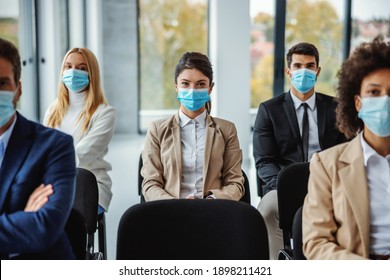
<point x="368" y="151"/>
<point x="7" y="134"/>
<point x="200" y="119"/>
<point x="311" y="102"/>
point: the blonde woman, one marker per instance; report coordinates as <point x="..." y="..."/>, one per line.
<point x="82" y="111"/>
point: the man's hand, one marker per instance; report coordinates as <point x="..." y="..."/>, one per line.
<point x="38" y="198"/>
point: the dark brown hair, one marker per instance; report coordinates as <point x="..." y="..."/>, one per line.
<point x="9" y="52"/>
<point x="198" y="61"/>
<point x="366" y="58"/>
<point x="303" y="48"/>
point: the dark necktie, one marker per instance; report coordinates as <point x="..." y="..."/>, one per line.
<point x="305" y="132"/>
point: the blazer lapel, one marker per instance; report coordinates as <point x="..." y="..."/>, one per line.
<point x="18" y="147"/>
<point x="175" y="129"/>
<point x="353" y="178"/>
<point x="210" y="131"/>
<point x="321" y="116"/>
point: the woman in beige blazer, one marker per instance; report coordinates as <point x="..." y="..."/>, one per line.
<point x="346" y="214"/>
<point x="192" y="154"/>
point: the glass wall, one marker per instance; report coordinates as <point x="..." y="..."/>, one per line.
<point x="167" y="29"/>
<point x="262" y="50"/>
<point x="321" y="23"/>
<point x="9" y="23"/>
<point x="369" y="19"/>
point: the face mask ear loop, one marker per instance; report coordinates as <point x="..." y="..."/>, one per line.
<point x="361" y="102"/>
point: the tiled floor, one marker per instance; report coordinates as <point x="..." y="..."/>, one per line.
<point x="124" y="154"/>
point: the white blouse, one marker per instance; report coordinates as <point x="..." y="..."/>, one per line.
<point x="193" y="139"/>
<point x="378" y="177"/>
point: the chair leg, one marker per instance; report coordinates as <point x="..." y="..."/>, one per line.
<point x="90" y="247"/>
<point x="102" y="235"/>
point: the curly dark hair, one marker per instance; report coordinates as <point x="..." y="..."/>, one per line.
<point x="366" y="58"/>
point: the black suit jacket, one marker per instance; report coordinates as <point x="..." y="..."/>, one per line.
<point x="276" y="137"/>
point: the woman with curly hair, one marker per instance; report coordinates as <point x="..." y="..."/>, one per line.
<point x="346" y="214"/>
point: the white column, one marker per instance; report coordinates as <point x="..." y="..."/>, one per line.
<point x="50" y="56"/>
<point x="94" y="13"/>
<point x="77" y="36"/>
<point x="229" y="52"/>
<point x="28" y="102"/>
<point x="120" y="61"/>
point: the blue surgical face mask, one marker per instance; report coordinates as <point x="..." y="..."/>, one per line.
<point x="7" y="108"/>
<point x="75" y="80"/>
<point x="375" y="113"/>
<point x="193" y="99"/>
<point x="303" y="79"/>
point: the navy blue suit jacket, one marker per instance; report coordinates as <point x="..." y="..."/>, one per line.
<point x="276" y="138"/>
<point x="35" y="155"/>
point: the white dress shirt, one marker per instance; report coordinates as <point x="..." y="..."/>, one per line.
<point x="4" y="138"/>
<point x="314" y="143"/>
<point x="193" y="139"/>
<point x="378" y="179"/>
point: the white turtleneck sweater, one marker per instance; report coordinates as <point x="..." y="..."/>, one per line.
<point x="70" y="123"/>
<point x="92" y="145"/>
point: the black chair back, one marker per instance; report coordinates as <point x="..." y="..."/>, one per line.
<point x="292" y="189"/>
<point x="247" y="195"/>
<point x="87" y="197"/>
<point x="76" y="229"/>
<point x="192" y="229"/>
<point x="84" y="221"/>
<point x="140" y="179"/>
<point x="297" y="236"/>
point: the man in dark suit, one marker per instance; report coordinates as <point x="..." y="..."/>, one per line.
<point x="289" y="128"/>
<point x="37" y="176"/>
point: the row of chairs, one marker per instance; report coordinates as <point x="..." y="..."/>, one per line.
<point x="292" y="189"/>
<point x="142" y="222"/>
<point x="212" y="229"/>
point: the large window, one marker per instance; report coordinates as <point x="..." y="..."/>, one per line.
<point x="321" y="23"/>
<point x="9" y="24"/>
<point x="369" y="19"/>
<point x="262" y="50"/>
<point x="167" y="29"/>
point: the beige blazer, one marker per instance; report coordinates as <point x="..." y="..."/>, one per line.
<point x="336" y="213"/>
<point x="162" y="160"/>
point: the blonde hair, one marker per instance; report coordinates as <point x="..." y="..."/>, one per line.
<point x="94" y="96"/>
